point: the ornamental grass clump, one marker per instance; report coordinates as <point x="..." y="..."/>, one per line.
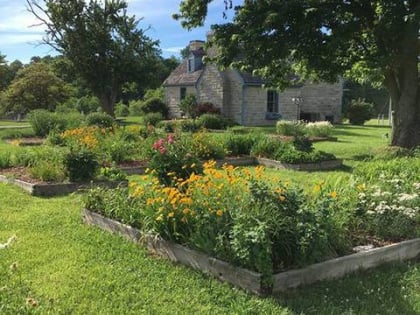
<point x="290" y="128"/>
<point x="318" y="129"/>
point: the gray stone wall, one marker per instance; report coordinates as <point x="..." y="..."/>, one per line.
<point x="172" y="98"/>
<point x="233" y="96"/>
<point x="210" y="86"/>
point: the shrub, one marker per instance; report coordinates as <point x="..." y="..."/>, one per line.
<point x="240" y="144"/>
<point x="189" y="125"/>
<point x="173" y="159"/>
<point x="135" y="107"/>
<point x="266" y="147"/>
<point x="169" y="126"/>
<point x="189" y="105"/>
<point x="206" y="147"/>
<point x="206" y="108"/>
<point x="43" y="121"/>
<point x="47" y="171"/>
<point x="102" y="120"/>
<point x="290" y="128"/>
<point x="155" y="105"/>
<point x="302" y="144"/>
<point x="213" y="121"/>
<point x="359" y="111"/>
<point x="122" y="110"/>
<point x="319" y="129"/>
<point x="87" y="105"/>
<point x="152" y="119"/>
<point x="80" y="165"/>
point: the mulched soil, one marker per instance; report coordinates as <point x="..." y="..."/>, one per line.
<point x="21" y="173"/>
<point x="27" y="141"/>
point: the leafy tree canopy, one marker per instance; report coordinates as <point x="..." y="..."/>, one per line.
<point x="376" y="41"/>
<point x="34" y="86"/>
<point x="105" y="45"/>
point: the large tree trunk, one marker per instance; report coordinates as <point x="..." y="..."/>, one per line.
<point x="403" y="83"/>
<point x="107" y="102"/>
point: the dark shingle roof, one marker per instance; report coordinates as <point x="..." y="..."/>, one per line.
<point x="180" y="76"/>
<point x="249" y="79"/>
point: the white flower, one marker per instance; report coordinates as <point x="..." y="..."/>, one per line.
<point x="416" y="185"/>
<point x="407" y="197"/>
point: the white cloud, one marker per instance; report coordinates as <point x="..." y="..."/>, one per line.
<point x="173" y="49"/>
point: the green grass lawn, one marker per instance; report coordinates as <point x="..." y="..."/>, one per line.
<point x="13" y="123"/>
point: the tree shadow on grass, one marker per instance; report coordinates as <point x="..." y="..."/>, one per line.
<point x="385" y="290"/>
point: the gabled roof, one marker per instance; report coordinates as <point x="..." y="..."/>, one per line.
<point x="249" y="79"/>
<point x="180" y="76"/>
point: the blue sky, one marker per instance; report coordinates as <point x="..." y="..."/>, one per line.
<point x="19" y="38"/>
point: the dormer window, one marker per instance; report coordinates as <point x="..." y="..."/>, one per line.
<point x="191" y="64"/>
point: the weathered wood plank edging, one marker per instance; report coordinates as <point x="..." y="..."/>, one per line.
<point x="252" y="281"/>
<point x="240" y="277"/>
<point x="319" y="166"/>
<point x="56" y="189"/>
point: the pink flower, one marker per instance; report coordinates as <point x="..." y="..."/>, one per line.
<point x="170" y="138"/>
<point x="158" y="144"/>
<point x="162" y="150"/>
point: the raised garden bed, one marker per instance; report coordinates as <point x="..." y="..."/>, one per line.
<point x="48" y="189"/>
<point x="252" y="281"/>
<point x="319" y="166"/>
<point x="32" y="141"/>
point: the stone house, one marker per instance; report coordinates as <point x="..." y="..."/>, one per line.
<point x="243" y="98"/>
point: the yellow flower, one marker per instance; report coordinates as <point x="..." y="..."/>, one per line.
<point x="219" y="213"/>
<point x="185" y="211"/>
<point x="282" y="198"/>
<point x="132" y="184"/>
<point x="361" y="187"/>
<point x="171" y="214"/>
<point x="317" y="188"/>
<point x="333" y="194"/>
<point x="159" y="218"/>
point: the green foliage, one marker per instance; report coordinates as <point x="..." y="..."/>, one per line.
<point x="34" y="87"/>
<point x="5" y="159"/>
<point x="87" y="104"/>
<point x="122" y="110"/>
<point x="213" y="121"/>
<point x="319" y="129"/>
<point x="290" y="128"/>
<point x="135" y="107"/>
<point x="206" y="108"/>
<point x="388" y="198"/>
<point x="47" y="171"/>
<point x="266" y="147"/>
<point x="359" y="112"/>
<point x="102" y="120"/>
<point x="172" y="159"/>
<point x="154" y="93"/>
<point x="206" y="147"/>
<point x="188" y="105"/>
<point x="240" y="144"/>
<point x="112" y="172"/>
<point x="302" y="144"/>
<point x="189" y="125"/>
<point x="43" y="122"/>
<point x="152" y="119"/>
<point x="155" y="105"/>
<point x="81" y="165"/>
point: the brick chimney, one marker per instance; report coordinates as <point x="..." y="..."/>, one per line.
<point x="196" y="45"/>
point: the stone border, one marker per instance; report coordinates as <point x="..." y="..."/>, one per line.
<point x="252" y="281"/>
<point x="56" y="189"/>
<point x="319" y="166"/>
